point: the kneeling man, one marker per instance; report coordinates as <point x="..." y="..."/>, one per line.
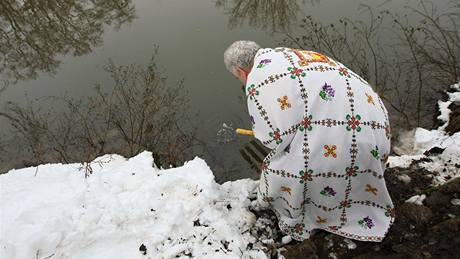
<point x="329" y="136"/>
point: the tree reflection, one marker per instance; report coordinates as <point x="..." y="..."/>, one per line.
<point x="34" y="33"/>
<point x="272" y="15"/>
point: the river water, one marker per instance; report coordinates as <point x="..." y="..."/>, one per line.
<point x="192" y="36"/>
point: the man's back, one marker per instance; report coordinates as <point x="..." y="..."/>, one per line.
<point x="329" y="135"/>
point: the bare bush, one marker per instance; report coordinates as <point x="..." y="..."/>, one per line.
<point x="407" y="62"/>
<point x="141" y="112"/>
<point x="34" y="33"/>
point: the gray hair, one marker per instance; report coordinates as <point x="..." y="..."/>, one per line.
<point x="240" y="54"/>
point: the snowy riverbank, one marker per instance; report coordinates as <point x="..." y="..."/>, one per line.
<point x="115" y="207"/>
<point x="126" y="208"/>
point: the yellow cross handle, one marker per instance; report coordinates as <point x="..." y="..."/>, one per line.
<point x="245" y="132"/>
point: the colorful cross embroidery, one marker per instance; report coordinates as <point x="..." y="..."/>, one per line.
<point x="375" y="152"/>
<point x="370" y="99"/>
<point x="351" y="171"/>
<point x="286" y="189"/>
<point x="327" y="92"/>
<point x="371" y="189"/>
<point x="345" y="204"/>
<point x="276" y="135"/>
<point x="284" y="103"/>
<point x="390" y="211"/>
<point x="296" y="72"/>
<point x="366" y="223"/>
<point x="328" y="191"/>
<point x="320" y="220"/>
<point x="252" y="91"/>
<point x="263" y="63"/>
<point x="306" y="123"/>
<point x="353" y="122"/>
<point x="330" y="150"/>
<point x="298" y="228"/>
<point x="306" y="176"/>
<point x="344" y="72"/>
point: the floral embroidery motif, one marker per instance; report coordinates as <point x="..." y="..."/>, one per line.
<point x="330" y="150"/>
<point x="276" y="135"/>
<point x="344" y="72"/>
<point x="306" y="123"/>
<point x="286" y="189"/>
<point x="298" y="228"/>
<point x="252" y="91"/>
<point x="366" y="223"/>
<point x="284" y="102"/>
<point x="345" y="204"/>
<point x="370" y="99"/>
<point x="320" y="220"/>
<point x="328" y="191"/>
<point x="353" y="122"/>
<point x="327" y="92"/>
<point x="264" y="62"/>
<point x="351" y="171"/>
<point x="375" y="153"/>
<point x="296" y="72"/>
<point x="371" y="189"/>
<point x="390" y="211"/>
<point x="306" y="176"/>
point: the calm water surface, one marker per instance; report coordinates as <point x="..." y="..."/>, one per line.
<point x="192" y="36"/>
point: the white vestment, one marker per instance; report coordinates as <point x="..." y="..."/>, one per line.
<point x="329" y="135"/>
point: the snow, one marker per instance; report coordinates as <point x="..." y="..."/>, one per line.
<point x="55" y="210"/>
<point x="404" y="178"/>
<point x="444" y="166"/>
<point x="444" y="106"/>
<point x="115" y="207"/>
<point x="403" y="161"/>
<point x="417" y="199"/>
<point x="455" y="202"/>
<point x="350" y="244"/>
<point x="286" y="240"/>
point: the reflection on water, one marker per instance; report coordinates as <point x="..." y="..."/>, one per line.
<point x="226" y="134"/>
<point x="272" y="15"/>
<point x="34" y="33"/>
<point x="143" y="111"/>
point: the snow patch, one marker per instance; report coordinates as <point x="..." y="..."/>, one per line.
<point x="125" y="203"/>
<point x="417" y="199"/>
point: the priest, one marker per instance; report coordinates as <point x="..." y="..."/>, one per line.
<point x="329" y="136"/>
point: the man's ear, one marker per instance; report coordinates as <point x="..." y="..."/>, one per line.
<point x="242" y="74"/>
